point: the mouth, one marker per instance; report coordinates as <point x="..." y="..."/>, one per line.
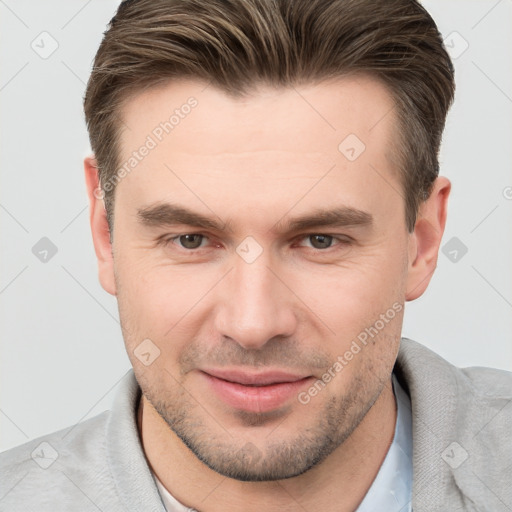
<point x="255" y="392"/>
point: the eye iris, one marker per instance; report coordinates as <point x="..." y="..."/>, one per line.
<point x="191" y="241"/>
<point x="320" y="241"/>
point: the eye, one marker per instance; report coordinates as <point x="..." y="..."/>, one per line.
<point x="320" y="241"/>
<point x="191" y="241"/>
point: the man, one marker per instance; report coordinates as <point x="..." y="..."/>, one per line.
<point x="264" y="198"/>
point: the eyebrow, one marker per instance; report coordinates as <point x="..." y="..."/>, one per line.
<point x="337" y="217"/>
<point x="167" y="214"/>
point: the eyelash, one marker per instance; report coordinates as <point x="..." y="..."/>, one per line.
<point x="341" y="241"/>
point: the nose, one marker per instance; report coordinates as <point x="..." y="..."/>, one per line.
<point x="256" y="305"/>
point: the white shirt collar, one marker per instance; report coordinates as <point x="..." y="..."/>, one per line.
<point x="392" y="488"/>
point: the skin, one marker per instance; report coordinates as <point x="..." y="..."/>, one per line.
<point x="253" y="165"/>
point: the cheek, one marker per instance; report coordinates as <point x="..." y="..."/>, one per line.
<point x="161" y="301"/>
<point x="351" y="296"/>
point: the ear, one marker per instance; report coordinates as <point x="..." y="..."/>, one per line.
<point x="425" y="240"/>
<point x="99" y="226"/>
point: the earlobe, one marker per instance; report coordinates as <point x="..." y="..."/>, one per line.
<point x="99" y="226"/>
<point x="424" y="242"/>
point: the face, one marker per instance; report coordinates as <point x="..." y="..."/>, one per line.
<point x="260" y="246"/>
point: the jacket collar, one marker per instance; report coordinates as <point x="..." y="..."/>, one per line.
<point x="435" y="388"/>
<point x="134" y="482"/>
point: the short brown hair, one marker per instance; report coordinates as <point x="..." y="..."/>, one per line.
<point x="236" y="44"/>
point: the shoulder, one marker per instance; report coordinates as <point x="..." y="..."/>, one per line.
<point x="461" y="428"/>
<point x="98" y="464"/>
<point x="62" y="467"/>
<point x="73" y="436"/>
<point x="489" y="382"/>
<point x="424" y="367"/>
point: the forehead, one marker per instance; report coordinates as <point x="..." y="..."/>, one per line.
<point x="271" y="144"/>
<point x="275" y="117"/>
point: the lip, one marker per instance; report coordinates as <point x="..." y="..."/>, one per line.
<point x="255" y="392"/>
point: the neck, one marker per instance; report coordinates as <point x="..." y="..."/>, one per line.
<point x="339" y="483"/>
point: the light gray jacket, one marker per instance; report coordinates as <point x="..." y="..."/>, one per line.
<point x="462" y="456"/>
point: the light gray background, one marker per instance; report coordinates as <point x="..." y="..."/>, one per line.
<point x="62" y="352"/>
